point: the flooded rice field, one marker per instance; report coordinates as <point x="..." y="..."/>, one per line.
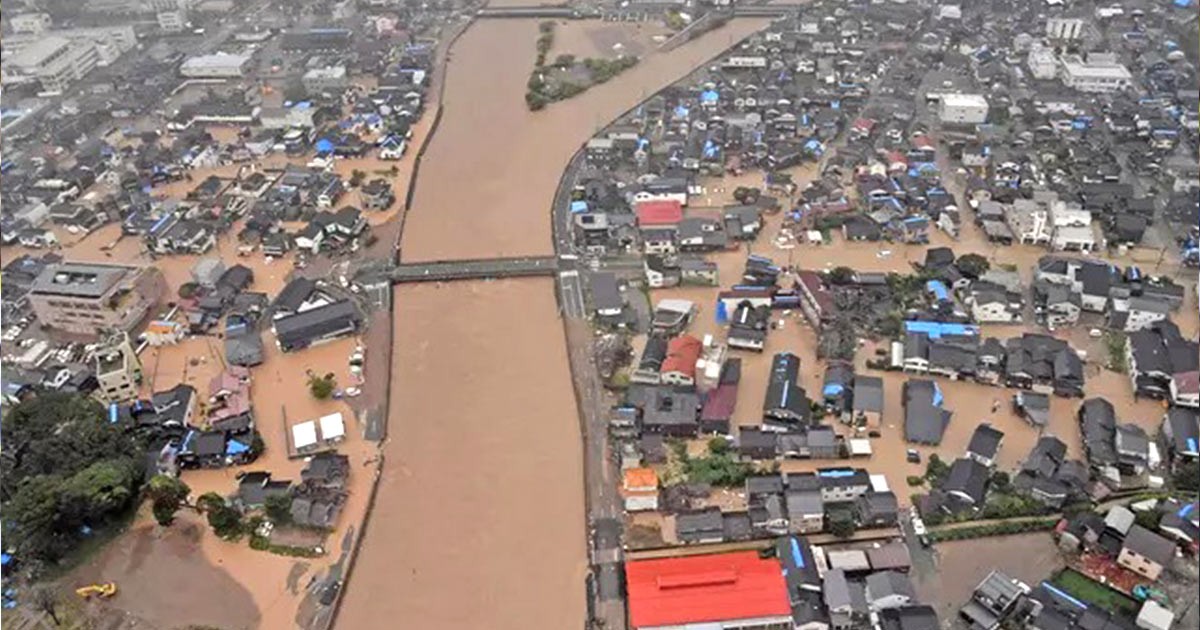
<point x="487" y="180"/>
<point x="479" y="516"/>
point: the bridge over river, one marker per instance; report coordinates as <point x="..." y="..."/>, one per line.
<point x="446" y="270"/>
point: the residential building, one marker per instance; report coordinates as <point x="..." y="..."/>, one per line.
<point x="1162" y="364"/>
<point x="734" y="590"/>
<point x="703" y="526"/>
<point x="967" y="483"/>
<point x="1098" y="74"/>
<point x="326" y="79"/>
<point x="1145" y="552"/>
<point x="640" y="489"/>
<point x="118" y="371"/>
<point x="993" y="600"/>
<point x="786" y="405"/>
<point x="909" y="618"/>
<point x="30" y="23"/>
<point x="925" y="420"/>
<point x="1064" y="28"/>
<point x="985" y="444"/>
<point x="877" y="509"/>
<point x="607" y="301"/>
<point x="889" y="589"/>
<point x="56" y="62"/>
<point x="867" y="402"/>
<point x="805" y="511"/>
<point x="679" y="366"/>
<point x="316" y="325"/>
<point x="1181" y="432"/>
<point x="86" y="298"/>
<point x="963" y="109"/>
<point x="215" y="66"/>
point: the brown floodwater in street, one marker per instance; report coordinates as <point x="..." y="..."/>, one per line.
<point x="970" y="402"/>
<point x="488" y="177"/>
<point x="963" y="564"/>
<point x="478" y="520"/>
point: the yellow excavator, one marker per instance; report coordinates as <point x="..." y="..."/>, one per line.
<point x="105" y="591"/>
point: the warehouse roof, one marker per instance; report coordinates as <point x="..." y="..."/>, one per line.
<point x="706" y="588"/>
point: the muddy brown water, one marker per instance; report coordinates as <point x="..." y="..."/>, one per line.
<point x="479" y="515"/>
<point x="488" y="177"/>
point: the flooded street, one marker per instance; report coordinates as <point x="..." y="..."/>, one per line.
<point x="487" y="180"/>
<point x="963" y="564"/>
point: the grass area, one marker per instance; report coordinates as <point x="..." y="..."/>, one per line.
<point x="1084" y="588"/>
<point x="1114" y="345"/>
<point x="983" y="530"/>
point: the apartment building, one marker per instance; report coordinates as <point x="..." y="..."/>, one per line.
<point x="56" y="62"/>
<point x="1098" y="74"/>
<point x="118" y="371"/>
<point x="87" y="298"/>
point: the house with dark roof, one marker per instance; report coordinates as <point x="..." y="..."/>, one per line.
<point x="1181" y="434"/>
<point x="755" y="444"/>
<point x="1041" y="360"/>
<point x="985" y="444"/>
<point x="993" y="600"/>
<point x="1048" y="476"/>
<point x="316" y="325"/>
<point x="786" y="404"/>
<point x="1146" y="553"/>
<point x="889" y="589"/>
<point x="877" y="509"/>
<point x="966" y="483"/>
<point x="925" y="420"/>
<point x="700" y="526"/>
<point x="1157" y="357"/>
<point x="909" y="618"/>
<point x="255" y="487"/>
<point x="867" y="401"/>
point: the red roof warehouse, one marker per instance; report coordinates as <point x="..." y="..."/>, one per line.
<point x="675" y="592"/>
<point x="666" y="213"/>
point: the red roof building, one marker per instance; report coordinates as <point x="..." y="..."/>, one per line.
<point x="679" y="367"/>
<point x="659" y="214"/>
<point x="677" y="592"/>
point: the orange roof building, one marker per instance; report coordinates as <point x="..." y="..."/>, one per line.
<point x="640" y="489"/>
<point x="679" y="367"/>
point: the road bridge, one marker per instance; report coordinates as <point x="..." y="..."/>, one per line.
<point x="447" y="270"/>
<point x="550" y="12"/>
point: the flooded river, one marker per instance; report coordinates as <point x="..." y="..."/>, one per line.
<point x="488" y="177"/>
<point x="479" y="519"/>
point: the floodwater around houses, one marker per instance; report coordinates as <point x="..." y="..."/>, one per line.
<point x="479" y="517"/>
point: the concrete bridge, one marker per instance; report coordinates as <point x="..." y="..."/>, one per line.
<point x="552" y="12"/>
<point x="446" y="270"/>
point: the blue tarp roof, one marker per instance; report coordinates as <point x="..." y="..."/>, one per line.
<point x="841" y="472"/>
<point x="234" y="447"/>
<point x="938" y="289"/>
<point x="937" y="395"/>
<point x="935" y="330"/>
<point x="1187" y="509"/>
<point x="324" y="146"/>
<point x="1191" y="443"/>
<point x="833" y="389"/>
<point x="5" y="559"/>
<point x="112" y="413"/>
<point x="797" y="557"/>
<point x="1060" y="593"/>
<point x="579" y="206"/>
<point x="709" y="96"/>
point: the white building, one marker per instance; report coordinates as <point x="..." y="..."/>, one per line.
<point x="215" y="66"/>
<point x="967" y="109"/>
<point x="1064" y="29"/>
<point x="172" y="20"/>
<point x="1042" y="64"/>
<point x="328" y="79"/>
<point x="1099" y="74"/>
<point x="56" y="62"/>
<point x="31" y="23"/>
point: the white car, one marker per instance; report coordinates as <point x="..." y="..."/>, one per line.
<point x="918" y="526"/>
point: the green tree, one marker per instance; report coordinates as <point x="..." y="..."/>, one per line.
<point x="167" y="494"/>
<point x="279" y="508"/>
<point x="535" y="100"/>
<point x="973" y="265"/>
<point x="841" y="275"/>
<point x="1148" y="519"/>
<point x="718" y="446"/>
<point x="33" y="520"/>
<point x="321" y="387"/>
<point x="1187" y="476"/>
<point x="100" y="490"/>
<point x="564" y="60"/>
<point x="842" y="527"/>
<point x="1001" y="482"/>
<point x="936" y="469"/>
<point x="225" y="521"/>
